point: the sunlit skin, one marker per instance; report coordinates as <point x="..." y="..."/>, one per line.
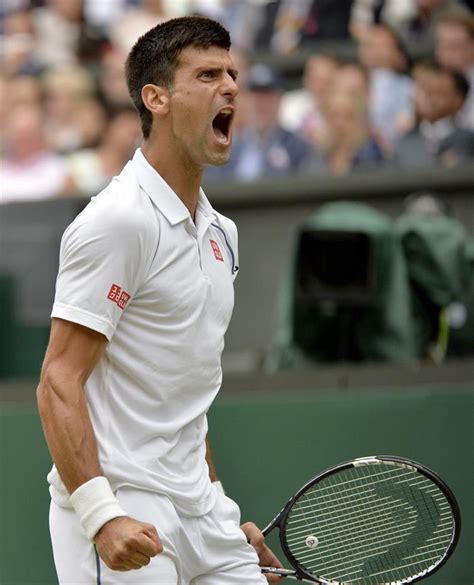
<point x="182" y="140"/>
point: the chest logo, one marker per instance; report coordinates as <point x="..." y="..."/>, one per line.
<point x="216" y="250"/>
<point x="118" y="296"/>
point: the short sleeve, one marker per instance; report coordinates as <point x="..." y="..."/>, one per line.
<point x="101" y="268"/>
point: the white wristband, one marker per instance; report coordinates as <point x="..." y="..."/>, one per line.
<point x="219" y="486"/>
<point x="95" y="504"/>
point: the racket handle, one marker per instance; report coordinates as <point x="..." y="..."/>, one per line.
<point x="284" y="573"/>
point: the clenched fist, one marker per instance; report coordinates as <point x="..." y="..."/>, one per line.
<point x="125" y="544"/>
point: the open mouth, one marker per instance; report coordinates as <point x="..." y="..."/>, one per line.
<point x="222" y="125"/>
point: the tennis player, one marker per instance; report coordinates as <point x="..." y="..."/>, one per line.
<point x="144" y="296"/>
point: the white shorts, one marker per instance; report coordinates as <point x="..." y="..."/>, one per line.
<point x="204" y="550"/>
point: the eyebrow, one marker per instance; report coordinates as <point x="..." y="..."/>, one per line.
<point x="216" y="69"/>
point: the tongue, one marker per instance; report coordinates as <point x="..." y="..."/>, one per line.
<point x="219" y="134"/>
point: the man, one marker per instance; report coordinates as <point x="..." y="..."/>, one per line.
<point x="384" y="57"/>
<point x="438" y="138"/>
<point x="455" y="50"/>
<point x="262" y="148"/>
<point x="144" y="296"/>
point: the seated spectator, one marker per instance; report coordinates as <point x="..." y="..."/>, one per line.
<point x="300" y="110"/>
<point x="420" y="27"/>
<point x="367" y="13"/>
<point x="29" y="170"/>
<point x="287" y="25"/>
<point x="352" y="78"/>
<point x="58" y="26"/>
<point x="263" y="148"/>
<point x="455" y="50"/>
<point x="348" y="143"/>
<point x="391" y="91"/>
<point x="25" y="90"/>
<point x="75" y="119"/>
<point x="92" y="169"/>
<point x="438" y="137"/>
<point x="17" y="42"/>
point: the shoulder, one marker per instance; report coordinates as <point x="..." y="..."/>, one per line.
<point x="121" y="215"/>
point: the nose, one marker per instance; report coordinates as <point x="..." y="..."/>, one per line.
<point x="229" y="86"/>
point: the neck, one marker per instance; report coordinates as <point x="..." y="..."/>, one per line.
<point x="179" y="172"/>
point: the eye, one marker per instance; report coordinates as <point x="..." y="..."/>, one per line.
<point x="207" y="75"/>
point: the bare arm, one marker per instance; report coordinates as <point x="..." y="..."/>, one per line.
<point x="210" y="463"/>
<point x="72" y="354"/>
<point x="123" y="542"/>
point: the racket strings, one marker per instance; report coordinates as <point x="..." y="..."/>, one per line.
<point x="372" y="522"/>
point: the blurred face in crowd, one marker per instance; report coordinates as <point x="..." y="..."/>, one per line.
<point x="264" y="106"/>
<point x="436" y="95"/>
<point x="351" y="79"/>
<point x="25" y="90"/>
<point x="24" y="134"/>
<point x="346" y="117"/>
<point x="446" y="98"/>
<point x="123" y="132"/>
<point x="378" y="49"/>
<point x="318" y="75"/>
<point x="454" y="46"/>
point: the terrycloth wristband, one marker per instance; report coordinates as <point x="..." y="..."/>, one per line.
<point x="95" y="504"/>
<point x="219" y="486"/>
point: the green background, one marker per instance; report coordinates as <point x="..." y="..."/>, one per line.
<point x="265" y="445"/>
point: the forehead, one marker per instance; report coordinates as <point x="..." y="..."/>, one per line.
<point x="193" y="58"/>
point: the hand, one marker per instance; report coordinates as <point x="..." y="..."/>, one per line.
<point x="266" y="556"/>
<point x="125" y="544"/>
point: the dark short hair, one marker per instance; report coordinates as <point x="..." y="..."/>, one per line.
<point x="155" y="56"/>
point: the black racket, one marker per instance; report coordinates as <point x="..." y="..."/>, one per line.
<point x="372" y="521"/>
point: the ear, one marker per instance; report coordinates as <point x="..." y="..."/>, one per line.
<point x="156" y="99"/>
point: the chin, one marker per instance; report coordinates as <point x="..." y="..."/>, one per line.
<point x="218" y="160"/>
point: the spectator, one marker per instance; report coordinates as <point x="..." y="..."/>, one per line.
<point x="367" y="13"/>
<point x="263" y="148"/>
<point x="455" y="50"/>
<point x="420" y="27"/>
<point x="74" y="117"/>
<point x="24" y="90"/>
<point x="348" y="143"/>
<point x="58" y="26"/>
<point x="112" y="85"/>
<point x="17" y="44"/>
<point x="287" y="25"/>
<point x="391" y="91"/>
<point x="92" y="169"/>
<point x="352" y="78"/>
<point x="29" y="170"/>
<point x="438" y="137"/>
<point x="300" y="109"/>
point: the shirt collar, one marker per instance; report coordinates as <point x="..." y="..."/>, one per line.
<point x="162" y="195"/>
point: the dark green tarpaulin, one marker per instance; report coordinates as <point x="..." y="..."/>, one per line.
<point x="437" y="256"/>
<point x="380" y="330"/>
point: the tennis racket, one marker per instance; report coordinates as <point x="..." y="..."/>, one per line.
<point x="372" y="521"/>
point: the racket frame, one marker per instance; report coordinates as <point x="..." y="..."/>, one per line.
<point x="280" y="519"/>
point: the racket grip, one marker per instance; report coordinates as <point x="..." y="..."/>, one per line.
<point x="285" y="573"/>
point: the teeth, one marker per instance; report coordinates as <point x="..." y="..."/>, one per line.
<point x="226" y="112"/>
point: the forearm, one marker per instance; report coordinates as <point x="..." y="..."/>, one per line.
<point x="68" y="429"/>
<point x="212" y="470"/>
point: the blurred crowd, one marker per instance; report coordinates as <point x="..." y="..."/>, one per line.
<point x="68" y="124"/>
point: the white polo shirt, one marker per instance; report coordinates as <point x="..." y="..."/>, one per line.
<point x="135" y="267"/>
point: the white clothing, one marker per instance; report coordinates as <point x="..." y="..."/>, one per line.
<point x="208" y="550"/>
<point x="41" y="177"/>
<point x="134" y="267"/>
